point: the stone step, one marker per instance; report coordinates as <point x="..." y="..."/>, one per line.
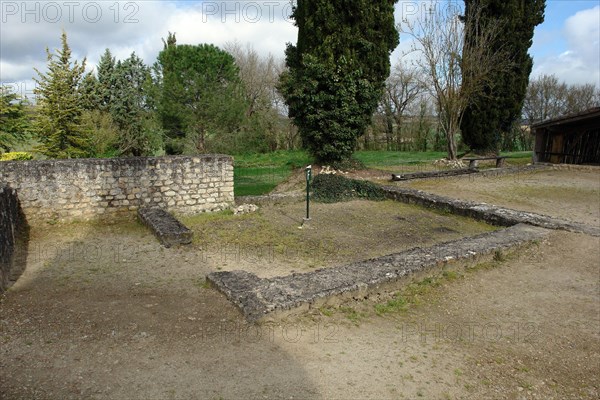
<point x="165" y="227"/>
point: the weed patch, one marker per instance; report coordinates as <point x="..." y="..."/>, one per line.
<point x="335" y="188"/>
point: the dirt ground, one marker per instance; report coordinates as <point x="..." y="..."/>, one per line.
<point x="568" y="194"/>
<point x="102" y="311"/>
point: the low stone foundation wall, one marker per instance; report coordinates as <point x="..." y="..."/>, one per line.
<point x="259" y="298"/>
<point x="87" y="188"/>
<point x="489" y="213"/>
<point x="14" y="236"/>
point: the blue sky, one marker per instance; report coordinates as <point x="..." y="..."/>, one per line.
<point x="570" y="26"/>
<point x="566" y="44"/>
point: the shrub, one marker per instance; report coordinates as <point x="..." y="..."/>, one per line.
<point x="333" y="188"/>
<point x="16" y="156"/>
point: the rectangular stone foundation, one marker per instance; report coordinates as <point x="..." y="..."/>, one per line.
<point x="258" y="298"/>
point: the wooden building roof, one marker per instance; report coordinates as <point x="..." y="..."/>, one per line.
<point x="590" y="116"/>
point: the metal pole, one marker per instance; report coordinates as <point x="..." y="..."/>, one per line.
<point x="308" y="176"/>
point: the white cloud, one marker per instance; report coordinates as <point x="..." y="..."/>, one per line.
<point x="581" y="62"/>
<point x="26" y="29"/>
<point x="123" y="27"/>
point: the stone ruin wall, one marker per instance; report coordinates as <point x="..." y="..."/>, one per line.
<point x="77" y="189"/>
<point x="14" y="233"/>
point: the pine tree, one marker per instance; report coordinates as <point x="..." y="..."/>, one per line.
<point x="57" y="121"/>
<point x="125" y="100"/>
<point x="198" y="96"/>
<point x="337" y="71"/>
<point x="493" y="113"/>
<point x="89" y="92"/>
<point x="14" y="123"/>
<point x="106" y="79"/>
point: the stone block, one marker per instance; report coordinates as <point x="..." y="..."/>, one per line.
<point x="165" y="227"/>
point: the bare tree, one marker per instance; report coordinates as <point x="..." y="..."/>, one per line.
<point x="259" y="76"/>
<point x="403" y="88"/>
<point x="455" y="71"/>
<point x="582" y="97"/>
<point x="548" y="98"/>
<point x="265" y="106"/>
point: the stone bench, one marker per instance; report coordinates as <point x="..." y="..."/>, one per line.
<point x="473" y="161"/>
<point x="165" y="227"/>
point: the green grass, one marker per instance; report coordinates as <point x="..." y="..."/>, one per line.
<point x="254" y="181"/>
<point x="409" y="296"/>
<point x="374" y="159"/>
<point x="281" y="158"/>
<point x="258" y="174"/>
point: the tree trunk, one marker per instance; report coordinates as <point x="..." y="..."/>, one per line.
<point x="451" y="145"/>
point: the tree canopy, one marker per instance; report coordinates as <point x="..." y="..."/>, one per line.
<point x="14" y="123"/>
<point x="337" y="70"/>
<point x="59" y="108"/>
<point x="494" y="110"/>
<point x="197" y="95"/>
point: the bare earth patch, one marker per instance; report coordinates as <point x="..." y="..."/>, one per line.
<point x="568" y="194"/>
<point x="102" y="311"/>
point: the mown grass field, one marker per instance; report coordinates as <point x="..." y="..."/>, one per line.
<point x="257" y="174"/>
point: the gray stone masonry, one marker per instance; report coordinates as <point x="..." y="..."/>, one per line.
<point x="14" y="236"/>
<point x="486" y="212"/>
<point x="259" y="298"/>
<point x="165" y="227"/>
<point x="433" y="174"/>
<point x="472" y="172"/>
<point x="90" y="188"/>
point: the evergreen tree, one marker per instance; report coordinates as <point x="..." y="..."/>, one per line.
<point x="493" y="112"/>
<point x="198" y="96"/>
<point x="126" y="103"/>
<point x="57" y="121"/>
<point x="337" y="70"/>
<point x="14" y="123"/>
<point x="106" y="79"/>
<point x="89" y="92"/>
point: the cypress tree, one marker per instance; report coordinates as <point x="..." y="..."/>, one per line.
<point x="492" y="113"/>
<point x="337" y="71"/>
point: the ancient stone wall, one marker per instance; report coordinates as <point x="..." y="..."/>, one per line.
<point x="14" y="233"/>
<point x="88" y="188"/>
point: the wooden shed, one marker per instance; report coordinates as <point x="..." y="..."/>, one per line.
<point x="572" y="139"/>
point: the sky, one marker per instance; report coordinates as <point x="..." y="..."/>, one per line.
<point x="567" y="44"/>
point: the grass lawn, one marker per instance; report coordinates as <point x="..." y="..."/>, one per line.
<point x="257" y="174"/>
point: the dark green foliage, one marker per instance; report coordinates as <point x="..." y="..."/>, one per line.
<point x="492" y="113"/>
<point x="137" y="134"/>
<point x="197" y="96"/>
<point x="106" y="80"/>
<point x="348" y="164"/>
<point x="328" y="188"/>
<point x="117" y="112"/>
<point x="337" y="71"/>
<point x="14" y="124"/>
<point x="59" y="106"/>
